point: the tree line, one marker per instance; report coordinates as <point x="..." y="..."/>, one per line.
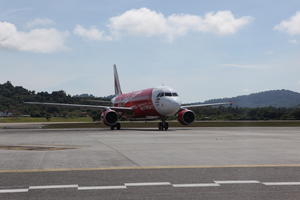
<point x="12" y="100"/>
<point x="238" y="113"/>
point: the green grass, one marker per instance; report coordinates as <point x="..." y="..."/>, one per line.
<point x="176" y="124"/>
<point x="86" y="122"/>
<point x="42" y="119"/>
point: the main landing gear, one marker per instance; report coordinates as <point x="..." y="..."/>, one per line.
<point x="117" y="126"/>
<point x="163" y="126"/>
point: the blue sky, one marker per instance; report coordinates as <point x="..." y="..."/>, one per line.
<point x="203" y="49"/>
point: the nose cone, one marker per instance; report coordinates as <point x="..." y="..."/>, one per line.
<point x="170" y="106"/>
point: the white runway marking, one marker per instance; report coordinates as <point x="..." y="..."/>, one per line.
<point x="215" y="184"/>
<point x="52" y="187"/>
<point x="102" y="187"/>
<point x="13" y="190"/>
<point x="281" y="183"/>
<point x="148" y="184"/>
<point x="237" y="181"/>
<point x="197" y="185"/>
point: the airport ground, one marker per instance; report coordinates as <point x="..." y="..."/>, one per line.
<point x="59" y="123"/>
<point x="143" y="163"/>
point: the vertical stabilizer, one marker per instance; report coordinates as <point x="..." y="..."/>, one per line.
<point x="118" y="90"/>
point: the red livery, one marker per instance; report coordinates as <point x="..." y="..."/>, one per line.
<point x="153" y="103"/>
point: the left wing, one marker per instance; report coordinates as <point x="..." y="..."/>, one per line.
<point x="82" y="106"/>
<point x="205" y="104"/>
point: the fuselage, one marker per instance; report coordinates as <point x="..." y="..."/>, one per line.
<point x="153" y="102"/>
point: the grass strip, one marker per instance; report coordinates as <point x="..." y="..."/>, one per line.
<point x="176" y="124"/>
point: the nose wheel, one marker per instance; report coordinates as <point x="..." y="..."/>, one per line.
<point x="163" y="126"/>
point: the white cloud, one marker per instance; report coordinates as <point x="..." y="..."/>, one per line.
<point x="139" y="22"/>
<point x="146" y="22"/>
<point x="290" y="26"/>
<point x="40" y="22"/>
<point x="91" y="34"/>
<point x="223" y="23"/>
<point x="35" y="40"/>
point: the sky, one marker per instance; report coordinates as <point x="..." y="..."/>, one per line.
<point x="202" y="49"/>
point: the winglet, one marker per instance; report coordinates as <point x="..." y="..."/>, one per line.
<point x="118" y="90"/>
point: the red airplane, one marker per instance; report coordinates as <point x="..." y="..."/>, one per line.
<point x="150" y="104"/>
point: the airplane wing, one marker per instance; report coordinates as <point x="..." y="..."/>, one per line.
<point x="98" y="101"/>
<point x="82" y="106"/>
<point x="205" y="104"/>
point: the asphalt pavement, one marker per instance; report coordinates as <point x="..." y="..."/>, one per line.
<point x="190" y="163"/>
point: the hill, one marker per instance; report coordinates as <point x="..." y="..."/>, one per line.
<point x="274" y="98"/>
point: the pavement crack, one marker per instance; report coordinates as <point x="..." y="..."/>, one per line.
<point x="119" y="152"/>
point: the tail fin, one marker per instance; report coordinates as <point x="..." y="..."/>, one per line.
<point x="118" y="90"/>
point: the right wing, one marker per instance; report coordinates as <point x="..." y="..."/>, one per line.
<point x="205" y="104"/>
<point x="82" y="106"/>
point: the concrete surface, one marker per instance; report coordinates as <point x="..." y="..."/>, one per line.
<point x="147" y="147"/>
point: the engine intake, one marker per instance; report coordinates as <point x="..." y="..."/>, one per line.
<point x="109" y="117"/>
<point x="186" y="117"/>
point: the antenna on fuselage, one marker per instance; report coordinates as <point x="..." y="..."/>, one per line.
<point x="118" y="90"/>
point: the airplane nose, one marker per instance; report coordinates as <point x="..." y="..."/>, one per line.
<point x="173" y="106"/>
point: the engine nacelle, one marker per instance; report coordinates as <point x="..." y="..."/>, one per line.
<point x="109" y="117"/>
<point x="186" y="117"/>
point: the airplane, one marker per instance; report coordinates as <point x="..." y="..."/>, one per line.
<point x="157" y="103"/>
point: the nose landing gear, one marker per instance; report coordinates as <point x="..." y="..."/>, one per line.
<point x="163" y="126"/>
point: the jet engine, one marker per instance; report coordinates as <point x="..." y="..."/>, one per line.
<point x="109" y="117"/>
<point x="186" y="117"/>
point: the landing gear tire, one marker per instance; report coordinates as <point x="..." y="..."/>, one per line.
<point x="118" y="126"/>
<point x="166" y="126"/>
<point x="163" y="126"/>
<point x="160" y="126"/>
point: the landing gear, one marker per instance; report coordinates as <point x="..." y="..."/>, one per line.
<point x="117" y="126"/>
<point x="163" y="126"/>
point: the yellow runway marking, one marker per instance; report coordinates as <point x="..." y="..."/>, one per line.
<point x="148" y="167"/>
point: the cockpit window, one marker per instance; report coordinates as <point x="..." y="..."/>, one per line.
<point x="167" y="94"/>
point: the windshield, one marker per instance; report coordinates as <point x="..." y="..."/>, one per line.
<point x="167" y="94"/>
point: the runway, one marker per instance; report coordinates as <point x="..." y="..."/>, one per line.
<point x="190" y="163"/>
<point x="208" y="183"/>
